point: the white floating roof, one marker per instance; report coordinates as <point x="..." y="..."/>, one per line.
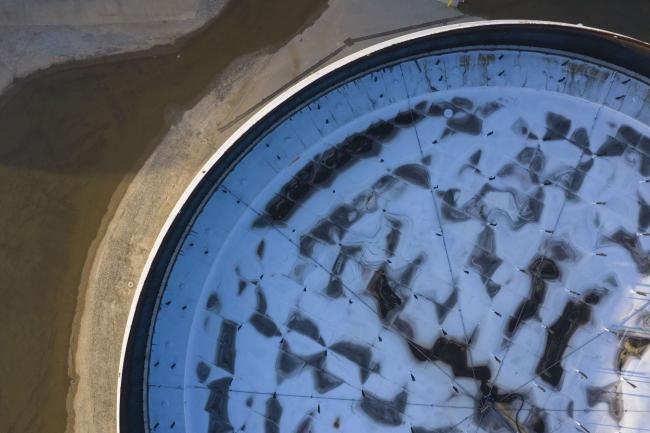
<point x="443" y="233"/>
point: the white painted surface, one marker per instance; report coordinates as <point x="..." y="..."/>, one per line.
<point x="532" y="85"/>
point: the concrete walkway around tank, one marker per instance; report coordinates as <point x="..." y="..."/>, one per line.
<point x="344" y="27"/>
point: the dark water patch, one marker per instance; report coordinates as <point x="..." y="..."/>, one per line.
<point x="443" y="308"/>
<point x="544" y="268"/>
<point x="307" y="244"/>
<point x="217" y="406"/>
<point x="437" y="109"/>
<point x="627" y="139"/>
<point x="358" y="354"/>
<point x="521" y="128"/>
<point x="467" y="123"/>
<point x="264" y="325"/>
<point x="347" y="214"/>
<point x="296" y="189"/>
<point x="324" y="381"/>
<point x="382" y="131"/>
<point x="644" y="150"/>
<point x="387" y="412"/>
<point x="611" y="394"/>
<point x="572" y="178"/>
<point x="334" y="159"/>
<point x="462" y="103"/>
<point x="328" y="231"/>
<point x="334" y="227"/>
<point x="420" y="429"/>
<point x="404" y="328"/>
<point x="489" y="108"/>
<point x="324" y="168"/>
<point x="594" y="296"/>
<point x="334" y="288"/>
<point x="560" y="250"/>
<point x="540" y="270"/>
<point x="452" y="353"/>
<point x="406" y="275"/>
<point x="202" y="371"/>
<point x="630" y="242"/>
<point x="611" y="147"/>
<point x="644" y="215"/>
<point x="260" y="249"/>
<point x="213" y="303"/>
<point x="287" y="363"/>
<point x="226" y="350"/>
<point x="483" y="257"/>
<point x="492" y="288"/>
<point x="361" y="146"/>
<point x="272" y="415"/>
<point x="629" y="135"/>
<point x="279" y="208"/>
<point x="462" y="120"/>
<point x="261" y="321"/>
<point x="450" y="210"/>
<point x="311" y="174"/>
<point x="261" y="302"/>
<point x="384" y="183"/>
<point x="383" y="290"/>
<point x="533" y="158"/>
<point x="574" y="315"/>
<point x="406" y="119"/>
<point x="510" y="412"/>
<point x="415" y="174"/>
<point x="305" y="326"/>
<point x="241" y="286"/>
<point x="475" y="158"/>
<point x="348" y="252"/>
<point x="580" y="138"/>
<point x="537" y="421"/>
<point x="557" y="127"/>
<point x="529" y="207"/>
<point x="393" y="236"/>
<point x="305" y="425"/>
<point x="630" y="347"/>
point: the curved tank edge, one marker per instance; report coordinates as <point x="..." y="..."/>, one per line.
<point x="614" y="49"/>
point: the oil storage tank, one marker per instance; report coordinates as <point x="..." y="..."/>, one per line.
<point x="445" y="232"/>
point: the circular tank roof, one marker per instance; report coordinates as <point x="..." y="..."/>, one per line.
<point x="447" y="232"/>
